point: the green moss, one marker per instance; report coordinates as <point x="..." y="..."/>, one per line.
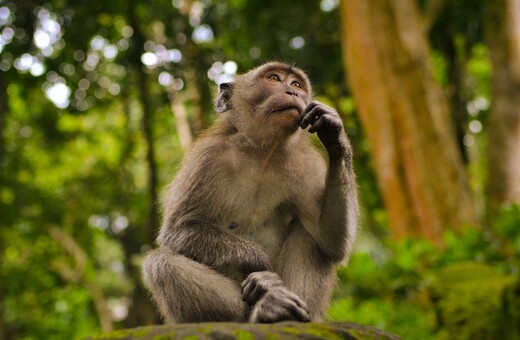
<point x="205" y="330"/>
<point x="323" y="332"/>
<point x="125" y="333"/>
<point x="272" y="336"/>
<point x="291" y="330"/>
<point x="116" y="334"/>
<point x="279" y="331"/>
<point x="191" y="337"/>
<point x="164" y="336"/>
<point x="243" y="335"/>
<point x="357" y="335"/>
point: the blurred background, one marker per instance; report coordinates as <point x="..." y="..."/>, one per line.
<point x="99" y="100"/>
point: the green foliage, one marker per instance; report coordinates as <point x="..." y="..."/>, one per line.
<point x="507" y="224"/>
<point x="466" y="296"/>
<point x="467" y="290"/>
<point x="82" y="168"/>
<point x="74" y="181"/>
<point x="405" y="319"/>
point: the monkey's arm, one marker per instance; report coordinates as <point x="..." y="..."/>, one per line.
<point x="207" y="244"/>
<point x="337" y="224"/>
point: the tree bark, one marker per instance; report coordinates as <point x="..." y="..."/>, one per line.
<point x="181" y="119"/>
<point x="147" y="124"/>
<point x="405" y="117"/>
<point x="141" y="309"/>
<point x="3" y="115"/>
<point x="194" y="94"/>
<point x="503" y="39"/>
<point x="432" y="10"/>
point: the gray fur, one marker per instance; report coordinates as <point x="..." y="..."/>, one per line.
<point x="256" y="206"/>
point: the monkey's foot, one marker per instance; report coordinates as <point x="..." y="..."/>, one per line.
<point x="279" y="304"/>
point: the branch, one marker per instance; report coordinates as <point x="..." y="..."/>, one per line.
<point x="72" y="248"/>
<point x="181" y="119"/>
<point x="77" y="275"/>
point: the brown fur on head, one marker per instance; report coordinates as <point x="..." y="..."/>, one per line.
<point x="273" y="95"/>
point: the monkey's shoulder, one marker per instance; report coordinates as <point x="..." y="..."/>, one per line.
<point x="207" y="151"/>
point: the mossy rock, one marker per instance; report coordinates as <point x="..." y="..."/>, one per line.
<point x="249" y="331"/>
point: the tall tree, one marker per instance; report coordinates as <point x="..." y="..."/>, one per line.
<point x="147" y="120"/>
<point x="405" y="117"/>
<point x="503" y="39"/>
<point x="3" y="115"/>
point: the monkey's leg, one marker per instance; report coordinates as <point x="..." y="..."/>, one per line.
<point x="306" y="272"/>
<point x="187" y="291"/>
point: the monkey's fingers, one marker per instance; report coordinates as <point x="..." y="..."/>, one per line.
<point x="252" y="292"/>
<point x="256" y="294"/>
<point x="299" y="313"/>
<point x="300" y="303"/>
<point x="252" y="288"/>
<point x="318" y="125"/>
<point x="256" y="285"/>
<point x="297" y="301"/>
<point x="245" y="288"/>
<point x="292" y="303"/>
<point x="295" y="308"/>
<point x="308" y="108"/>
<point x="310" y="117"/>
<point x="270" y="313"/>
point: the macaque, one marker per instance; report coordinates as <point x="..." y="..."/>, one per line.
<point x="257" y="219"/>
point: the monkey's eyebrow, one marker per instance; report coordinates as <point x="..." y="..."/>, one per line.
<point x="281" y="68"/>
<point x="287" y="69"/>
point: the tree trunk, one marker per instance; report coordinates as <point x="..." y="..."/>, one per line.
<point x="405" y="117"/>
<point x="194" y="94"/>
<point x="181" y="119"/>
<point x="3" y="116"/>
<point x="503" y="38"/>
<point x="141" y="310"/>
<point x="147" y="124"/>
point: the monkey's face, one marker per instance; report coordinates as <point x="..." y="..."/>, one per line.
<point x="279" y="94"/>
<point x="273" y="95"/>
<point x="267" y="100"/>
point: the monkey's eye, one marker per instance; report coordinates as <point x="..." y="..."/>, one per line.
<point x="296" y="84"/>
<point x="274" y="77"/>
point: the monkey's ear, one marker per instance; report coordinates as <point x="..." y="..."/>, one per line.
<point x="224" y="97"/>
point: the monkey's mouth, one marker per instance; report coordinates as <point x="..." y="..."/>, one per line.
<point x="287" y="108"/>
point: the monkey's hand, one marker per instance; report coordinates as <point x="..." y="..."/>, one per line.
<point x="328" y="124"/>
<point x="279" y="304"/>
<point x="257" y="284"/>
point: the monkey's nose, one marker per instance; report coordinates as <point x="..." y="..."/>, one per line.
<point x="291" y="93"/>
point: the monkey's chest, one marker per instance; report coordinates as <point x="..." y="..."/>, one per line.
<point x="254" y="210"/>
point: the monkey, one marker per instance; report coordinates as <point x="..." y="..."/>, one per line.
<point x="257" y="219"/>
